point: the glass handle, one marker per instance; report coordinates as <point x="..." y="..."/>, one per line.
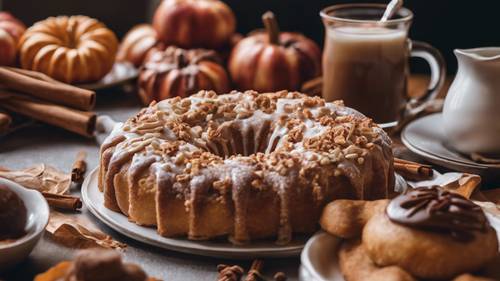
<point x="438" y="70"/>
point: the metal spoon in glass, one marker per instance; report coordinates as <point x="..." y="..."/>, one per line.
<point x="391" y="9"/>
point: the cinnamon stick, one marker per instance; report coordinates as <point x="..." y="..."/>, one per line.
<point x="63" y="202"/>
<point x="5" y="121"/>
<point x="46" y="88"/>
<point x="34" y="74"/>
<point x="404" y="161"/>
<point x="76" y="121"/>
<point x="412" y="171"/>
<point x="79" y="167"/>
<point x="254" y="273"/>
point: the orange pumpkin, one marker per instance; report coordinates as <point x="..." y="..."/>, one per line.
<point x="194" y="23"/>
<point x="273" y="61"/>
<point x="178" y="72"/>
<point x="11" y="29"/>
<point x="136" y="44"/>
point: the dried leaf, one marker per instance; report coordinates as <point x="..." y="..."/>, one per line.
<point x="78" y="232"/>
<point x="41" y="177"/>
<point x="465" y="185"/>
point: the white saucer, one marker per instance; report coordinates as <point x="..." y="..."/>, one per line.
<point x="425" y="137"/>
<point x="94" y="200"/>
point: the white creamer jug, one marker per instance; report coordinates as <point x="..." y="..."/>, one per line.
<point x="471" y="111"/>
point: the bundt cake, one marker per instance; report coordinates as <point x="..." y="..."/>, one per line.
<point x="75" y="49"/>
<point x="243" y="165"/>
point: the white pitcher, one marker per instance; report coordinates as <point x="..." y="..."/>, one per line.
<point x="471" y="112"/>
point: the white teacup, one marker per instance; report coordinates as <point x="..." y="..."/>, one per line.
<point x="471" y="111"/>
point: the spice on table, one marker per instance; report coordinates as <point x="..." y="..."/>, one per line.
<point x="63" y="202"/>
<point x="5" y="122"/>
<point x="77" y="121"/>
<point x="41" y="86"/>
<point x="229" y="273"/>
<point x="280" y="276"/>
<point x="254" y="274"/>
<point x="79" y="167"/>
<point x="412" y="171"/>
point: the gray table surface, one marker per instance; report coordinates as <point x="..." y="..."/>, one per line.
<point x="44" y="144"/>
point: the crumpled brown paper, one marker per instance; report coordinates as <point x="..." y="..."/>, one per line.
<point x="78" y="232"/>
<point x="41" y="177"/>
<point x="465" y="185"/>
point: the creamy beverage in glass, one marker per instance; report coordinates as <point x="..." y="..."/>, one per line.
<point x="365" y="62"/>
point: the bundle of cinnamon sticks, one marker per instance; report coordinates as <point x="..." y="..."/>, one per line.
<point x="42" y="98"/>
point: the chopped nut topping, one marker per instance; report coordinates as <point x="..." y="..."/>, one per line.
<point x="188" y="134"/>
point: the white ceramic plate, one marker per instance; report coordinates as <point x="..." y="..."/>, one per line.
<point x="425" y="137"/>
<point x="38" y="217"/>
<point x="94" y="200"/>
<point x="121" y="73"/>
<point x="319" y="257"/>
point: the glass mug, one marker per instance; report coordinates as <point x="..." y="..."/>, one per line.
<point x="365" y="61"/>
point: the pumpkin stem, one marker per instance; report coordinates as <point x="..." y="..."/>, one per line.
<point x="272" y="27"/>
<point x="180" y="59"/>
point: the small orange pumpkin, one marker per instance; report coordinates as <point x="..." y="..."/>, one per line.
<point x="136" y="44"/>
<point x="11" y="29"/>
<point x="273" y="61"/>
<point x="178" y="72"/>
<point x="194" y="23"/>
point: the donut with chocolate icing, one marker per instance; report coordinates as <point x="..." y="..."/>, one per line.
<point x="13" y="214"/>
<point x="432" y="234"/>
<point x="436" y="209"/>
<point x="243" y="165"/>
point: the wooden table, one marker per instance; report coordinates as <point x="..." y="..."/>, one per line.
<point x="45" y="144"/>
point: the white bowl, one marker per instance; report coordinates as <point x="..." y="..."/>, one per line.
<point x="319" y="259"/>
<point x="38" y="217"/>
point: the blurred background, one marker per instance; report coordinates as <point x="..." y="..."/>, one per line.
<point x="446" y="24"/>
